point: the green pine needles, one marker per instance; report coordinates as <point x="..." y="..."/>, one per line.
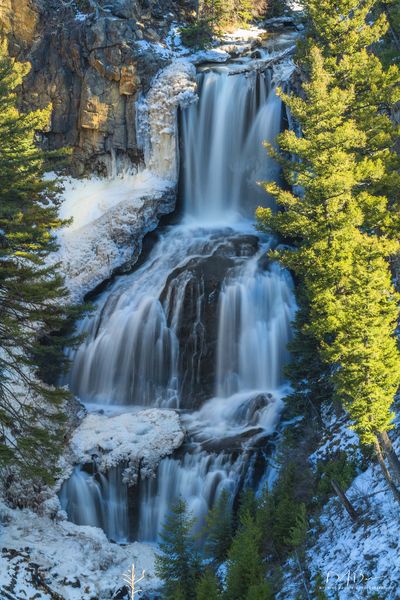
<point x="344" y="224"/>
<point x="32" y="295"/>
<point x="212" y="17"/>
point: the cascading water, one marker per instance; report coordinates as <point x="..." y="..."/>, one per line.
<point x="97" y="500"/>
<point x="223" y="144"/>
<point x="202" y="325"/>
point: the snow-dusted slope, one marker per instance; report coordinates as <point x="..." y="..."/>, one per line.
<point x="58" y="557"/>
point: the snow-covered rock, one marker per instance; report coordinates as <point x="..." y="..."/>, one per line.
<point x="110" y="220"/>
<point x="41" y="558"/>
<point x="140" y="439"/>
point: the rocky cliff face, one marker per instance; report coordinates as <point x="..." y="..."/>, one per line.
<point x="92" y="63"/>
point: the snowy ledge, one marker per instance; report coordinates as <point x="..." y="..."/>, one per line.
<point x="139" y="439"/>
<point x="111" y="218"/>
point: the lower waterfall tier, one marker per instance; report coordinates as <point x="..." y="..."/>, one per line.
<point x="201" y="327"/>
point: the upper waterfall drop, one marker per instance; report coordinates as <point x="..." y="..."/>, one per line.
<point x="223" y="154"/>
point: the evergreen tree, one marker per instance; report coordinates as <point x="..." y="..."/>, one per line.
<point x="309" y="375"/>
<point x="319" y="588"/>
<point x="32" y="296"/>
<point x="245" y="564"/>
<point x="244" y="10"/>
<point x="179" y="563"/>
<point x="260" y="591"/>
<point x="207" y="587"/>
<point x="297" y="533"/>
<point x="280" y="514"/>
<point x="345" y="34"/>
<point x="341" y="260"/>
<point x="218" y="528"/>
<point x="248" y="504"/>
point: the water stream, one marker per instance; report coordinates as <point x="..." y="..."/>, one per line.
<point x="201" y="327"/>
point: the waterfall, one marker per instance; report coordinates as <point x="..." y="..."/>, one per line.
<point x="252" y="349"/>
<point x="98" y="500"/>
<point x="201" y="326"/>
<point x="223" y="139"/>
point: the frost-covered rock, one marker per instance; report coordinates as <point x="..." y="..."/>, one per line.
<point x="175" y="86"/>
<point x="41" y="558"/>
<point x="140" y="439"/>
<point x="110" y="220"/>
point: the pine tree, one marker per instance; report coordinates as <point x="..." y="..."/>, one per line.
<point x="297" y="533"/>
<point x="345" y="37"/>
<point x="218" y="528"/>
<point x="207" y="587"/>
<point x="245" y="564"/>
<point x="309" y="375"/>
<point x="319" y="588"/>
<point x="341" y="260"/>
<point x="260" y="591"/>
<point x="244" y="9"/>
<point x="179" y="563"/>
<point x="32" y="295"/>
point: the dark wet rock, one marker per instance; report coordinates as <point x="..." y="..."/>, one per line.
<point x="197" y="332"/>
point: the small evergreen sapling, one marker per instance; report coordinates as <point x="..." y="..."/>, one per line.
<point x="218" y="529"/>
<point x="179" y="564"/>
<point x="207" y="587"/>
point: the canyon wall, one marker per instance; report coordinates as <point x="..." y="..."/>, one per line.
<point x="91" y="63"/>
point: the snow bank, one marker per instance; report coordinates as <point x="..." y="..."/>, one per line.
<point x="111" y="219"/>
<point x="359" y="560"/>
<point x="354" y="560"/>
<point x="140" y="439"/>
<point x="86" y="200"/>
<point x="41" y="558"/>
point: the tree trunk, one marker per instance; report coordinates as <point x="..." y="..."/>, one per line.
<point x="392" y="30"/>
<point x="301" y="571"/>
<point x="390" y="454"/>
<point x="344" y="500"/>
<point x="385" y="471"/>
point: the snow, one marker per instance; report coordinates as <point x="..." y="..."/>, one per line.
<point x="85" y="200"/>
<point x="283" y="70"/>
<point x="77" y="562"/>
<point x="357" y="560"/>
<point x="240" y="40"/>
<point x="80" y="16"/>
<point x="354" y="560"/>
<point x="241" y="35"/>
<point x="337" y="437"/>
<point x="144" y="46"/>
<point x="218" y="55"/>
<point x="140" y="439"/>
<point x="110" y="220"/>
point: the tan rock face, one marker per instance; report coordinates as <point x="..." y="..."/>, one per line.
<point x="90" y="70"/>
<point x="20" y="18"/>
<point x="129" y="82"/>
